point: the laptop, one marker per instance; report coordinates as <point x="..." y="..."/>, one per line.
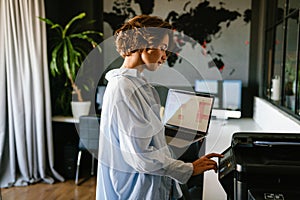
<point x="187" y="115"/>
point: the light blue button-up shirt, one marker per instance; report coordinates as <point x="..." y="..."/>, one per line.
<point x="134" y="159"/>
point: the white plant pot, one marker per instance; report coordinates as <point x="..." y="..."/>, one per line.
<point x="80" y="108"/>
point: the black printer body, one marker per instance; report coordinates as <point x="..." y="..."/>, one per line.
<point x="261" y="166"/>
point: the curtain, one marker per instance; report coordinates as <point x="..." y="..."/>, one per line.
<point x="26" y="142"/>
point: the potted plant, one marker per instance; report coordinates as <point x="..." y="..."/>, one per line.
<point x="67" y="54"/>
<point x="290" y="81"/>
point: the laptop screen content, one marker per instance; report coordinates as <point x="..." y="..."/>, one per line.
<point x="188" y="110"/>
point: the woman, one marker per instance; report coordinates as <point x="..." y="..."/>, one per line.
<point x="134" y="159"/>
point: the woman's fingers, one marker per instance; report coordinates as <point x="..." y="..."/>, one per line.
<point x="211" y="155"/>
<point x="206" y="163"/>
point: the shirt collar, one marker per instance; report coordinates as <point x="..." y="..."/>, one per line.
<point x="123" y="72"/>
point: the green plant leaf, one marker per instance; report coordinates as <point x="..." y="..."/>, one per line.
<point x="47" y="21"/>
<point x="86" y="87"/>
<point x="53" y="63"/>
<point x="87" y="38"/>
<point x="82" y="53"/>
<point x="77" y="59"/>
<point x="79" y="35"/>
<point x="72" y="57"/>
<point x="92" y="32"/>
<point x="65" y="61"/>
<point x="99" y="48"/>
<point x="80" y="16"/>
<point x="52" y="24"/>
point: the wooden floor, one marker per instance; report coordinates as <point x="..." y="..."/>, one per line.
<point x="57" y="191"/>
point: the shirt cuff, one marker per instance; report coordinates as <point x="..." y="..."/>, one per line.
<point x="181" y="171"/>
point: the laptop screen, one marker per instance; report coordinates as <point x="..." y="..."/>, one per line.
<point x="189" y="110"/>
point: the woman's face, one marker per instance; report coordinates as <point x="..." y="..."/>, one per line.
<point x="153" y="58"/>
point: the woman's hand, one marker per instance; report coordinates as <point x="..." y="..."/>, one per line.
<point x="205" y="163"/>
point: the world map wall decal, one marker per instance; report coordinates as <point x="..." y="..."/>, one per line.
<point x="203" y="22"/>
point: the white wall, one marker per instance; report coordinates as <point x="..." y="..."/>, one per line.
<point x="270" y="118"/>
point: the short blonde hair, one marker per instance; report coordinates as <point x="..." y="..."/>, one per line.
<point x="141" y="32"/>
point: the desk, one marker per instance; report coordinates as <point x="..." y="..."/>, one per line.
<point x="217" y="140"/>
<point x="66" y="139"/>
<point x="67" y="119"/>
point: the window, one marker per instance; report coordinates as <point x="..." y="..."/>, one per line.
<point x="282" y="55"/>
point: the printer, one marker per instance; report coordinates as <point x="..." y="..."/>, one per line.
<point x="261" y="166"/>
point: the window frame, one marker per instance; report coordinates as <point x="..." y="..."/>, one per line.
<point x="272" y="23"/>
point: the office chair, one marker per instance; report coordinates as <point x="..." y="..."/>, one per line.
<point x="88" y="141"/>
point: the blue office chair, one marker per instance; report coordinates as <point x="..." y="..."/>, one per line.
<point x="88" y="141"/>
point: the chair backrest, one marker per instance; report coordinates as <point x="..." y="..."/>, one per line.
<point x="89" y="133"/>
